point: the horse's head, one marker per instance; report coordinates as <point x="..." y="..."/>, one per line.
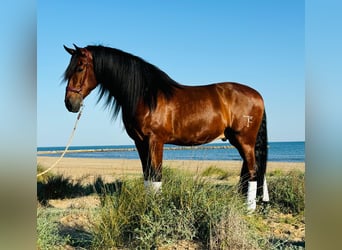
<point x="80" y="76"/>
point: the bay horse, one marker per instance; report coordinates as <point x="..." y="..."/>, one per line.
<point x="157" y="110"/>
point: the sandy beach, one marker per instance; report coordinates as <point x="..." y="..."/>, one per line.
<point x="112" y="169"/>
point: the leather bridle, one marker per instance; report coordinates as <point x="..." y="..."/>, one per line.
<point x="78" y="90"/>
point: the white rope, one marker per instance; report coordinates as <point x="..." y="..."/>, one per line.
<point x="66" y="148"/>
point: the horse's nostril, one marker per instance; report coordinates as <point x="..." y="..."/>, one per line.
<point x="72" y="105"/>
<point x="68" y="104"/>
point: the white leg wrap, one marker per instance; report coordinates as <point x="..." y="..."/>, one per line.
<point x="153" y="185"/>
<point x="265" y="196"/>
<point x="251" y="195"/>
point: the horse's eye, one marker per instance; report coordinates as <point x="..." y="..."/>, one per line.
<point x="79" y="69"/>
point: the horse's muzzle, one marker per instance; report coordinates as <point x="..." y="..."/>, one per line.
<point x="72" y="105"/>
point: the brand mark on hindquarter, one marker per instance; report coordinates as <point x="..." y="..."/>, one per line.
<point x="249" y="119"/>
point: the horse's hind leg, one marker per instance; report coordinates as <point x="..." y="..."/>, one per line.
<point x="249" y="179"/>
<point x="248" y="184"/>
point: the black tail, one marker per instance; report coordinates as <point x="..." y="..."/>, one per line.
<point x="261" y="154"/>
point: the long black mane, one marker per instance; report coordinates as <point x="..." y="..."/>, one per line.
<point x="125" y="79"/>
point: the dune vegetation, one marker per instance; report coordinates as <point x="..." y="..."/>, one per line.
<point x="191" y="212"/>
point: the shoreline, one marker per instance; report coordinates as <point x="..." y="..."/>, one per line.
<point x="112" y="169"/>
<point x="133" y="148"/>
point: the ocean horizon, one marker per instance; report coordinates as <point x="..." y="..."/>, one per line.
<point x="277" y="151"/>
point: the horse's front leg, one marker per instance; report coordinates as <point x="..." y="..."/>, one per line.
<point x="153" y="170"/>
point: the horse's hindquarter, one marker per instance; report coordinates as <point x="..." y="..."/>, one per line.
<point x="245" y="105"/>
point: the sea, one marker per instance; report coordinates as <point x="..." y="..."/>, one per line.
<point x="277" y="151"/>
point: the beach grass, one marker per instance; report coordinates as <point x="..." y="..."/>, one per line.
<point x="191" y="211"/>
<point x="187" y="209"/>
<point x="287" y="191"/>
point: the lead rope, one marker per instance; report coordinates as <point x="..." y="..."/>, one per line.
<point x="67" y="146"/>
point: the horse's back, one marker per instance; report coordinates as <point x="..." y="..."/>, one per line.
<point x="225" y="97"/>
<point x="235" y="90"/>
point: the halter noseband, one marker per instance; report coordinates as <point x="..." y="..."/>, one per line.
<point x="78" y="91"/>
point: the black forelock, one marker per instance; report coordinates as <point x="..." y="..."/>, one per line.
<point x="71" y="68"/>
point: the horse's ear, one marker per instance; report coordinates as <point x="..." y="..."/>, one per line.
<point x="70" y="51"/>
<point x="76" y="47"/>
<point x="82" y="51"/>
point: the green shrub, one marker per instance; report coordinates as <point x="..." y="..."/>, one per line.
<point x="234" y="232"/>
<point x="287" y="192"/>
<point x="48" y="234"/>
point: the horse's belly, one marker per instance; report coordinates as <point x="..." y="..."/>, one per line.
<point x="196" y="135"/>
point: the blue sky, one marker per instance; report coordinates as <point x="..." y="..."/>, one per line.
<point x="258" y="43"/>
